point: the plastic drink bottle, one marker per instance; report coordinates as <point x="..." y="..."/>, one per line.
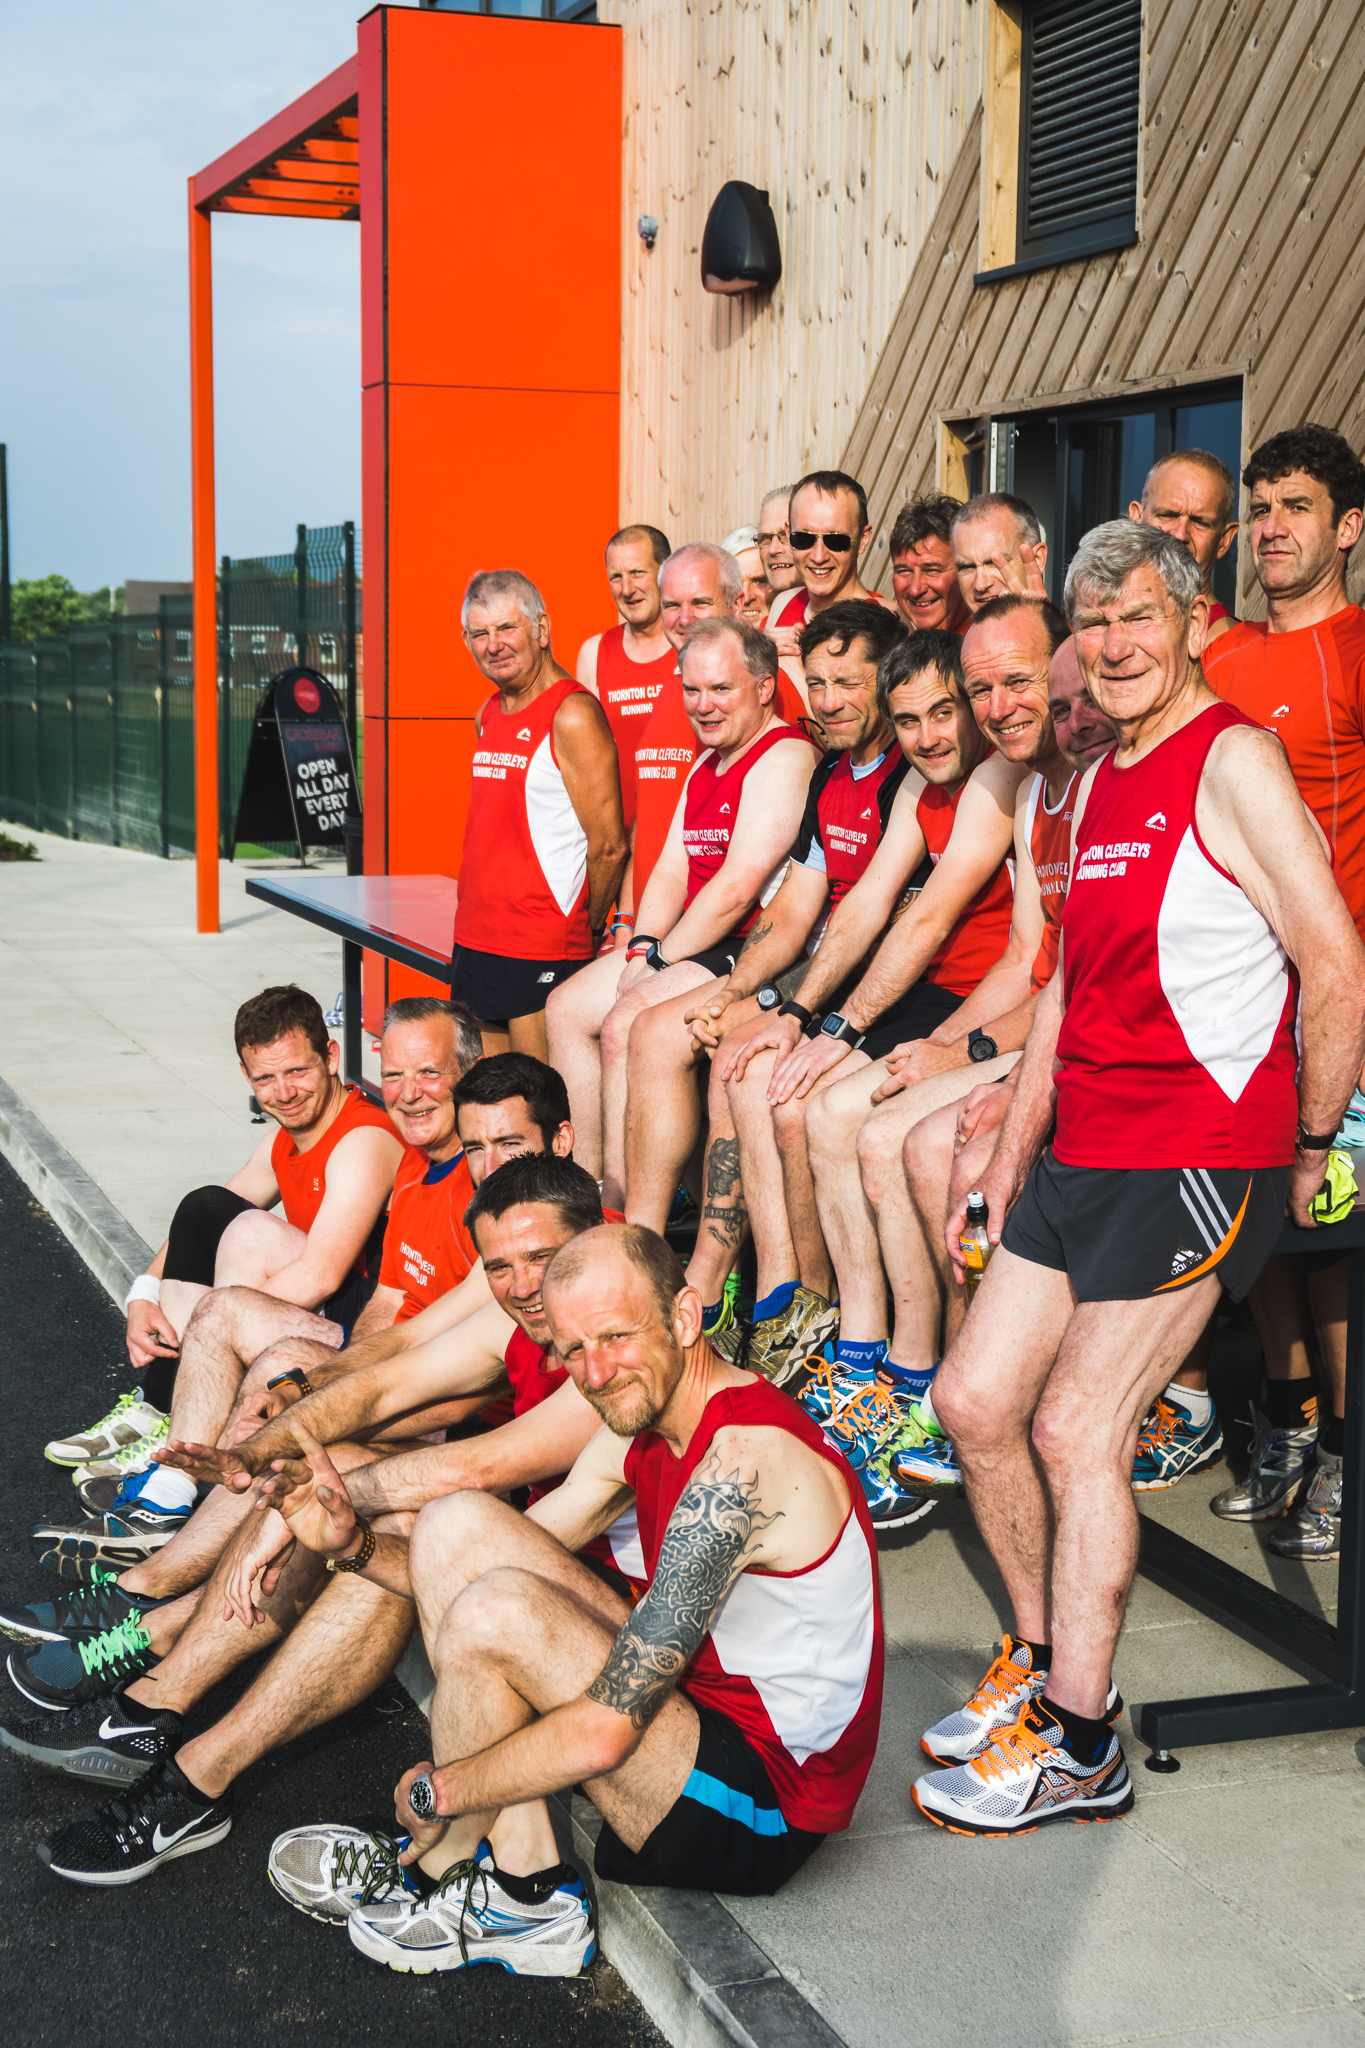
<point x="973" y="1242"/>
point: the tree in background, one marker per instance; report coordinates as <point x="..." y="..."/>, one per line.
<point x="47" y="606"/>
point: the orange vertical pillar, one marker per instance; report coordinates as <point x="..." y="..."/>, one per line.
<point x="205" y="586"/>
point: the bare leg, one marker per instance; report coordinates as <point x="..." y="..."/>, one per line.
<point x="1086" y="1444"/>
<point x="527" y="1034"/>
<point x="255" y="1245"/>
<point x="192" y="1553"/>
<point x="616" y="1030"/>
<point x="231" y="1327"/>
<point x="792" y="1138"/>
<point x="663" y="1107"/>
<point x="968" y="1167"/>
<point x="923" y="1274"/>
<point x="1327" y="1295"/>
<point x="573" y="1029"/>
<point x="1279" y="1304"/>
<point x="847" y="1219"/>
<point x="760" y="1169"/>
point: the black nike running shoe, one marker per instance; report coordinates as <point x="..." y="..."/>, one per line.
<point x="159" y="1818"/>
<point x="85" y="1610"/>
<point x="110" y="1741"/>
<point x="67" y="1673"/>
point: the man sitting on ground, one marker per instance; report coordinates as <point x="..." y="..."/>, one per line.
<point x="627" y="667"/>
<point x="924" y="568"/>
<point x="1193" y="495"/>
<point x="545" y="1678"/>
<point x="735" y="821"/>
<point x="1201" y="920"/>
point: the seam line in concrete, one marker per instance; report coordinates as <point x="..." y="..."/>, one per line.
<point x="81" y="1210"/>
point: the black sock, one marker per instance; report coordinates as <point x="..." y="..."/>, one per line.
<point x="1041" y="1653"/>
<point x="176" y="1780"/>
<point x="1084" y="1738"/>
<point x="529" y="1891"/>
<point x="158" y="1379"/>
<point x="1332" y="1436"/>
<point x="1291" y="1404"/>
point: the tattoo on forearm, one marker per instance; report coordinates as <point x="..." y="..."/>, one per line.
<point x="723" y="1210"/>
<point x="759" y="933"/>
<point x="711" y="1532"/>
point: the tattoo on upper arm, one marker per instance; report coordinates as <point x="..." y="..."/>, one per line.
<point x="711" y="1532"/>
<point x="724" y="1213"/>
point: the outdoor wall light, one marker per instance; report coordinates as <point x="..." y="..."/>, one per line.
<point x="649" y="229"/>
<point x="739" y="246"/>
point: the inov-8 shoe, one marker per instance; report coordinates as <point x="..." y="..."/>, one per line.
<point x="1279" y="1466"/>
<point x="1026" y="1779"/>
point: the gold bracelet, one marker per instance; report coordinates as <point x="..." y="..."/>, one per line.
<point x="362" y="1556"/>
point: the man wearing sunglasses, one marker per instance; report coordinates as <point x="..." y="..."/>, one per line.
<point x="828" y="532"/>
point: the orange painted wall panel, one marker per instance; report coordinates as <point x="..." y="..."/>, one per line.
<point x="429" y="762"/>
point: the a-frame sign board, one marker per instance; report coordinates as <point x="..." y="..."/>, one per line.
<point x="300" y="778"/>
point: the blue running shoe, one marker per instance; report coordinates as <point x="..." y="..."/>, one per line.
<point x="67" y="1673"/>
<point x="1170" y="1447"/>
<point x="863" y="1425"/>
<point x="85" y="1611"/>
<point x="832" y="1386"/>
<point x="469" y="1918"/>
<point x="928" y="1468"/>
<point x="889" y="1504"/>
<point x="110" y="1542"/>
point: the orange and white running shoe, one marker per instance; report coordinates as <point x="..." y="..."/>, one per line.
<point x="1024" y="1779"/>
<point x="998" y="1701"/>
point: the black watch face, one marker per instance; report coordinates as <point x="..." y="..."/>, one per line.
<point x="981" y="1048"/>
<point x="420" y="1799"/>
<point x="769" y="997"/>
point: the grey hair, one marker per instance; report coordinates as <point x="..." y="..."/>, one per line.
<point x="1109" y="554"/>
<point x="1025" y="518"/>
<point x="486" y="585"/>
<point x="743" y="538"/>
<point x="421" y="1009"/>
<point x="783" y="491"/>
<point x="756" y="650"/>
<point x="728" y="569"/>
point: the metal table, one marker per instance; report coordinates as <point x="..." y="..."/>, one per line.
<point x="408" y="918"/>
<point x="1336" y="1654"/>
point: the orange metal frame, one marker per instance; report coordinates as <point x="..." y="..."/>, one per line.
<point x="482" y="157"/>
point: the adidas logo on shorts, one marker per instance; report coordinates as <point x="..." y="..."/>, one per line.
<point x="1183" y="1260"/>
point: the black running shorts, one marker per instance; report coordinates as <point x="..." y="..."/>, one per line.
<point x="1127" y="1233"/>
<point x="719" y="959"/>
<point x="725" y="1833"/>
<point x="497" y="989"/>
<point x="918" y="1012"/>
<point x="346" y="1305"/>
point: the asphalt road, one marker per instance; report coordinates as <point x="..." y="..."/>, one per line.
<point x="204" y="1951"/>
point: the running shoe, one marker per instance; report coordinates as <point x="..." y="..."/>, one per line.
<point x="329" y="1872"/>
<point x="1025" y="1779"/>
<point x="134" y="1457"/>
<point x="929" y="1467"/>
<point x="159" y="1818"/>
<point x="888" y="1503"/>
<point x="1314" y="1531"/>
<point x="1170" y="1447"/>
<point x="109" y="1741"/>
<point x="67" y="1673"/>
<point x="108" y="1542"/>
<point x="129" y="1420"/>
<point x="864" y="1425"/>
<point x="726" y="1334"/>
<point x="469" y="1919"/>
<point x="1008" y="1687"/>
<point x="781" y="1343"/>
<point x="829" y="1386"/>
<point x="1279" y="1467"/>
<point x="87" y="1610"/>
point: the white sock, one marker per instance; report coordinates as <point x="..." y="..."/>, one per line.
<point x="1198" y="1406"/>
<point x="167" y="1488"/>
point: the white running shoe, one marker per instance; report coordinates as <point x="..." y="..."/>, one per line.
<point x="1023" y="1780"/>
<point x="329" y="1872"/>
<point x="129" y="1419"/>
<point x="1008" y="1687"/>
<point x="469" y="1919"/>
<point x="134" y="1457"/>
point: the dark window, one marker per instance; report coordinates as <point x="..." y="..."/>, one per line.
<point x="1078" y="127"/>
<point x="539" y="10"/>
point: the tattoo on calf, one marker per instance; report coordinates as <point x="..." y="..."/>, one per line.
<point x="711" y="1533"/>
<point x="724" y="1208"/>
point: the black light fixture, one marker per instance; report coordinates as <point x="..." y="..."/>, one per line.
<point x="740" y="251"/>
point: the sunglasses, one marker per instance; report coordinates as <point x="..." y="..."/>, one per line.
<point x="837" y="543"/>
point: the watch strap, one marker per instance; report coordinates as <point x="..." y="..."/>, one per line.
<point x="362" y="1556"/>
<point x="790" y="1008"/>
<point x="296" y="1376"/>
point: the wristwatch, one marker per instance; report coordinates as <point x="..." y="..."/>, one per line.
<point x="791" y="1008"/>
<point x="422" y="1798"/>
<point x="362" y="1556"/>
<point x="296" y="1376"/>
<point x="980" y="1047"/>
<point x="1307" y="1143"/>
<point x="839" y="1027"/>
<point x="769" y="997"/>
<point x="654" y="957"/>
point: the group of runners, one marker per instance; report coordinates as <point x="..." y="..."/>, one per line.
<point x="834" y="909"/>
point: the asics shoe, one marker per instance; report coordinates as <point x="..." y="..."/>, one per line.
<point x="67" y="1673"/>
<point x="1314" y="1531"/>
<point x="929" y="1466"/>
<point x="86" y="1610"/>
<point x="1023" y="1780"/>
<point x="329" y="1872"/>
<point x="130" y="1419"/>
<point x="109" y="1542"/>
<point x="109" y="1741"/>
<point x="1279" y="1467"/>
<point x="888" y="1503"/>
<point x="864" y="1425"/>
<point x="780" y="1344"/>
<point x="1170" y="1447"/>
<point x="829" y="1386"/>
<point x="134" y="1457"/>
<point x="469" y="1918"/>
<point x="159" y="1818"/>
<point x="1008" y="1687"/>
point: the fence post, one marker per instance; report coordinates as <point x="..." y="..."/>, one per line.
<point x="225" y="849"/>
<point x="348" y="544"/>
<point x="72" y="687"/>
<point x="115" y="764"/>
<point x="301" y="620"/>
<point x="163" y="709"/>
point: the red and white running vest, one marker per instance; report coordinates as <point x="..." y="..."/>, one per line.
<point x="427" y="1249"/>
<point x="978" y="938"/>
<point x="628" y="691"/>
<point x="302" y="1176"/>
<point x="851" y="815"/>
<point x="794" y="1659"/>
<point x="664" y="753"/>
<point x="524" y="870"/>
<point x="535" y="1374"/>
<point x="1049" y="840"/>
<point x="712" y="804"/>
<point x="1177" y="1045"/>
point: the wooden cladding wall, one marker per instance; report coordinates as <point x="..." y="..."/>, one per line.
<point x="850" y="114"/>
<point x="1251" y="260"/>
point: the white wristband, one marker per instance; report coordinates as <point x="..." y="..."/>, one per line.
<point x="146" y="1287"/>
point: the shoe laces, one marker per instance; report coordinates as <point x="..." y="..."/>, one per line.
<point x="372" y="1864"/>
<point x="1000" y="1681"/>
<point x="870" y="1413"/>
<point x="120" y="1407"/>
<point x="468" y="1873"/>
<point x="88" y="1599"/>
<point x="1271" y="1450"/>
<point x="141" y="1447"/>
<point x="1159" y="1427"/>
<point x="1014" y="1748"/>
<point x="114" y="1648"/>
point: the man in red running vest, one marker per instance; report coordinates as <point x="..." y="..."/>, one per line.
<point x="545" y="841"/>
<point x="774" y="542"/>
<point x="1193" y="495"/>
<point x="627" y="667"/>
<point x="724" y="1725"/>
<point x="732" y="829"/>
<point x="1162" y="1059"/>
<point x="829" y="533"/>
<point x="924" y="568"/>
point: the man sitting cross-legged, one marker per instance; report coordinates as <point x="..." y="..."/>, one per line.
<point x="330" y="1166"/>
<point x="733" y="827"/>
<point x="1206" y="955"/>
<point x="723" y="1727"/>
<point x="345" y="1636"/>
<point x="848" y="801"/>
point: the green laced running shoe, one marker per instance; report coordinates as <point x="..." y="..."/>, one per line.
<point x="81" y="1668"/>
<point x="128" y="1420"/>
<point x="134" y="1457"/>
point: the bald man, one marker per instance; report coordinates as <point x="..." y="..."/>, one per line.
<point x="1194" y="496"/>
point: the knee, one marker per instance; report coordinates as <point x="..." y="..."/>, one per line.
<point x="878" y="1150"/>
<point x="926" y="1161"/>
<point x="970" y="1422"/>
<point x="487" y="1617"/>
<point x="651" y="1035"/>
<point x="445" y="1527"/>
<point x="791" y="1122"/>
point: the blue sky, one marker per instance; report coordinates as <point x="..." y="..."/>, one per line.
<point x="104" y="113"/>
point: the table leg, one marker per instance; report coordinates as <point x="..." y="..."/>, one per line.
<point x="351" y="957"/>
